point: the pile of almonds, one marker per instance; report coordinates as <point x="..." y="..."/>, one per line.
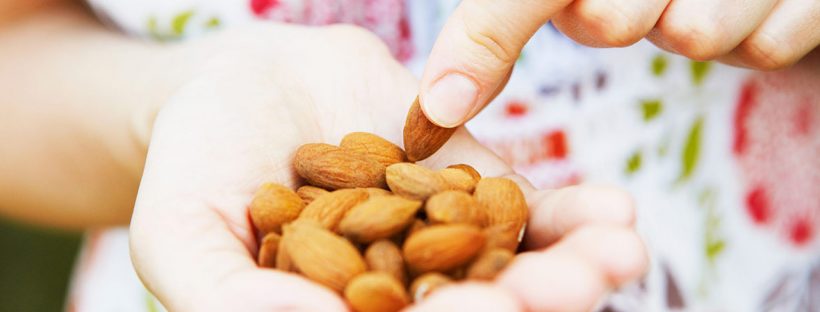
<point x="383" y="231"/>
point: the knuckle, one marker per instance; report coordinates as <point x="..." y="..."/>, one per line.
<point x="698" y="40"/>
<point x="611" y="26"/>
<point x="767" y="53"/>
<point x="497" y="44"/>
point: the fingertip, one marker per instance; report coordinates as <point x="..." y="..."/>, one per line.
<point x="619" y="252"/>
<point x="450" y="100"/>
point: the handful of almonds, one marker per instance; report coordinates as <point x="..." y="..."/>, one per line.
<point x="383" y="231"/>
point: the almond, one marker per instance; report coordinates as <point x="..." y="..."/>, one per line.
<point x="442" y="247"/>
<point x="374" y="147"/>
<point x="504" y="201"/>
<point x="332" y="167"/>
<point x="376" y="292"/>
<point x="414" y="181"/>
<point x="468" y="169"/>
<point x="417" y="225"/>
<point x="267" y="250"/>
<point x="322" y="256"/>
<point x="309" y="193"/>
<point x="273" y="205"/>
<point x="502" y="236"/>
<point x="425" y="284"/>
<point x="283" y="261"/>
<point x="375" y="191"/>
<point x="489" y="264"/>
<point x="384" y="256"/>
<point x="455" y="207"/>
<point x="379" y="217"/>
<point x="423" y="138"/>
<point x="458" y="179"/>
<point x="330" y="208"/>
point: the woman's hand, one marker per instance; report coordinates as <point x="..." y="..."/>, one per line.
<point x="269" y="89"/>
<point x="475" y="52"/>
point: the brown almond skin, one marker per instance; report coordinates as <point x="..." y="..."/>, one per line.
<point x="333" y="168"/>
<point x="321" y="255"/>
<point x="374" y="191"/>
<point x="283" y="261"/>
<point x="309" y="193"/>
<point x="376" y="292"/>
<point x="468" y="169"/>
<point x="442" y="247"/>
<point x="489" y="264"/>
<point x="502" y="236"/>
<point x="414" y="181"/>
<point x="378" y="217"/>
<point x="458" y="179"/>
<point x="384" y="256"/>
<point x="273" y="205"/>
<point x="329" y="209"/>
<point x="504" y="201"/>
<point x="423" y="138"/>
<point x="374" y="147"/>
<point x="267" y="250"/>
<point x="425" y="284"/>
<point x="455" y="207"/>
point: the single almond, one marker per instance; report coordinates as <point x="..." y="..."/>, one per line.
<point x="502" y="236"/>
<point x="458" y="179"/>
<point x="414" y="181"/>
<point x="283" y="260"/>
<point x="378" y="217"/>
<point x="321" y="255"/>
<point x="422" y="137"/>
<point x="332" y="167"/>
<point x="309" y="193"/>
<point x="375" y="191"/>
<point x="376" y="292"/>
<point x="425" y="284"/>
<point x="442" y="247"/>
<point x="468" y="169"/>
<point x="273" y="205"/>
<point x="384" y="256"/>
<point x="489" y="264"/>
<point x="330" y="208"/>
<point x="455" y="207"/>
<point x="504" y="201"/>
<point x="267" y="250"/>
<point x="374" y="147"/>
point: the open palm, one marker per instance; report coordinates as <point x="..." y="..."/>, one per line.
<point x="238" y="125"/>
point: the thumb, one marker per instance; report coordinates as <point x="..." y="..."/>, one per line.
<point x="475" y="52"/>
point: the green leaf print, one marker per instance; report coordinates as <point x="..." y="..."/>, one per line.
<point x="633" y="163"/>
<point x="651" y="109"/>
<point x="213" y="22"/>
<point x="699" y="71"/>
<point x="659" y="64"/>
<point x="150" y="304"/>
<point x="179" y="22"/>
<point x="691" y="150"/>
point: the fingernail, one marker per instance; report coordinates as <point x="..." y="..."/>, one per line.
<point x="450" y="100"/>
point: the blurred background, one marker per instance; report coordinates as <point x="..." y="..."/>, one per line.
<point x="35" y="266"/>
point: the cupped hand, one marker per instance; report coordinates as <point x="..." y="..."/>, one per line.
<point x="268" y="89"/>
<point x="474" y="54"/>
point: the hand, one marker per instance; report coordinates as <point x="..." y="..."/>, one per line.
<point x="267" y="90"/>
<point x="474" y="54"/>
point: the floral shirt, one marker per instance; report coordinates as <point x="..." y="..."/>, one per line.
<point x="724" y="163"/>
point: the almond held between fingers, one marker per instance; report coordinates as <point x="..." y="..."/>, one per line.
<point x="273" y="205"/>
<point x="376" y="292"/>
<point x="455" y="207"/>
<point x="414" y="181"/>
<point x="321" y="255"/>
<point x="384" y="256"/>
<point x="333" y="168"/>
<point x="442" y="247"/>
<point x="374" y="147"/>
<point x="458" y="179"/>
<point x="423" y="138"/>
<point x="504" y="201"/>
<point x="425" y="284"/>
<point x="268" y="250"/>
<point x="330" y="208"/>
<point x="489" y="264"/>
<point x="378" y="217"/>
<point x="468" y="169"/>
<point x="309" y="193"/>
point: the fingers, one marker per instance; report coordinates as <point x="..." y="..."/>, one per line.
<point x="474" y="52"/>
<point x="469" y="297"/>
<point x="791" y="31"/>
<point x="706" y="29"/>
<point x="578" y="272"/>
<point x="605" y="23"/>
<point x="553" y="214"/>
